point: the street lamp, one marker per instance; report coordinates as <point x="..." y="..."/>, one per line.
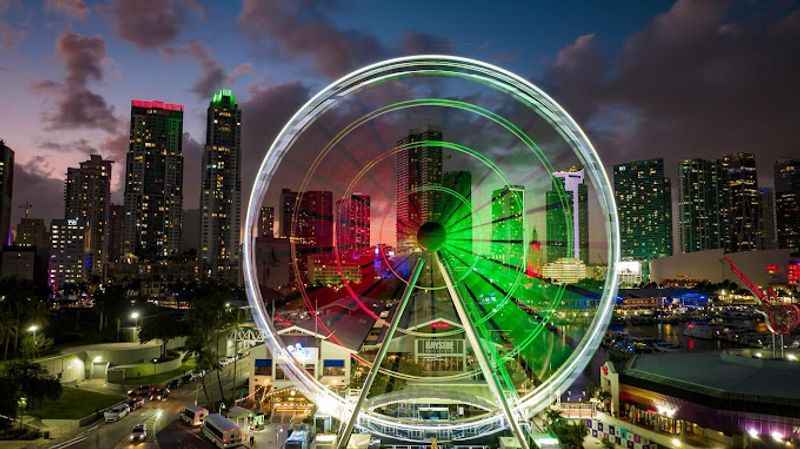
<point x="32" y="329"/>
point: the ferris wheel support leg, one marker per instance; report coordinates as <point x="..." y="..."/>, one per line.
<point x="344" y="437"/>
<point x="472" y="337"/>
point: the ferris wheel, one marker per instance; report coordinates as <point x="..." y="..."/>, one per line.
<point x="451" y="240"/>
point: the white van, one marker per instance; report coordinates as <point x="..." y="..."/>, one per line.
<point x="194" y="416"/>
<point x="221" y="431"/>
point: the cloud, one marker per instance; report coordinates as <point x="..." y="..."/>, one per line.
<point x="213" y="75"/>
<point x="76" y="9"/>
<point x="424" y="43"/>
<point x="691" y="83"/>
<point x="151" y="23"/>
<point x="301" y="30"/>
<point x="80" y="145"/>
<point x="34" y="184"/>
<point x="77" y="106"/>
<point x="10" y="35"/>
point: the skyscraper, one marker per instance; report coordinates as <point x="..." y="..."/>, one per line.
<point x="154" y="180"/>
<point x="767" y="220"/>
<point x="644" y="205"/>
<point x="698" y="205"/>
<point x="266" y="222"/>
<point x="220" y="195"/>
<point x="740" y="200"/>
<point x="31" y="233"/>
<point x="314" y="227"/>
<point x="564" y="226"/>
<point x="6" y="192"/>
<point x="417" y="169"/>
<point x="353" y="224"/>
<point x="87" y="198"/>
<point x="67" y="253"/>
<point x="455" y="211"/>
<point x="508" y="224"/>
<point x="288" y="202"/>
<point x="787" y="203"/>
<point x="115" y="232"/>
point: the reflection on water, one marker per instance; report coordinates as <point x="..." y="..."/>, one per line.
<point x="667" y="332"/>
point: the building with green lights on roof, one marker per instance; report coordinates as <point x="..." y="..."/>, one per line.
<point x="221" y="187"/>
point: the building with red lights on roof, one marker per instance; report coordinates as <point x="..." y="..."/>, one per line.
<point x="154" y="180"/>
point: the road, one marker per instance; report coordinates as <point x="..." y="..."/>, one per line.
<point x="164" y="430"/>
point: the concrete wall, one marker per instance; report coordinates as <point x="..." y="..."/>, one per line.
<point x="708" y="265"/>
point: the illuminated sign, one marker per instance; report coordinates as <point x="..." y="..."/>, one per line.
<point x="440" y="347"/>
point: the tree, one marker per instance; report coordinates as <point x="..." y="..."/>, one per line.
<point x="570" y="435"/>
<point x="22" y="303"/>
<point x="209" y="319"/>
<point x="164" y="327"/>
<point x="34" y="345"/>
<point x="34" y="382"/>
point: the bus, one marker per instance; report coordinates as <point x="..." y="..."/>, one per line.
<point x="221" y="431"/>
<point x="297" y="440"/>
<point x="194" y="416"/>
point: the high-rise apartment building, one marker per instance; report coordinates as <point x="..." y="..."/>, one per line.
<point x="353" y="224"/>
<point x="568" y="230"/>
<point x="115" y="232"/>
<point x="31" y="233"/>
<point x="67" y="250"/>
<point x="739" y="202"/>
<point x="314" y="227"/>
<point x="699" y="205"/>
<point x="154" y="180"/>
<point x="787" y="203"/>
<point x="288" y="201"/>
<point x="644" y="206"/>
<point x="508" y="224"/>
<point x="220" y="194"/>
<point x="417" y="168"/>
<point x="266" y="222"/>
<point x="87" y="198"/>
<point x="6" y="192"/>
<point x="767" y="219"/>
<point x="455" y="211"/>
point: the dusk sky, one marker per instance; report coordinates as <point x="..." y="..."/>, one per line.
<point x="645" y="79"/>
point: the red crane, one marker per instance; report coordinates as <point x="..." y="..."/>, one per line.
<point x="782" y="318"/>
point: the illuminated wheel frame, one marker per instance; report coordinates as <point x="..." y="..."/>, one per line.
<point x="537" y="101"/>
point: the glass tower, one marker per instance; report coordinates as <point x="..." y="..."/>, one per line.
<point x="154" y="180"/>
<point x="644" y="204"/>
<point x="221" y="187"/>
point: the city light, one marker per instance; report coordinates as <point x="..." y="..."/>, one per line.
<point x="33" y="328"/>
<point x="134" y="315"/>
<point x="752" y="432"/>
<point x="676" y="442"/>
<point x="777" y="436"/>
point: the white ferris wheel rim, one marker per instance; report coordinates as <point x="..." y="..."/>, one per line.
<point x="503" y="80"/>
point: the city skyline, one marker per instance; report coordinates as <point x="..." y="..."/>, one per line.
<point x="104" y="57"/>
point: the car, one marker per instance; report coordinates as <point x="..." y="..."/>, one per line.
<point x="197" y="374"/>
<point x="174" y="383"/>
<point x="140" y="391"/>
<point x="116" y="413"/>
<point x="139" y="433"/>
<point x="135" y="403"/>
<point x="159" y="394"/>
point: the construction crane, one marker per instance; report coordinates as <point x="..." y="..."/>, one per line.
<point x="781" y="318"/>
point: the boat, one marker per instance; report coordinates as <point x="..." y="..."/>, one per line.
<point x="663" y="346"/>
<point x="699" y="331"/>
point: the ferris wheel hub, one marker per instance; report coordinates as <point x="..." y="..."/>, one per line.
<point x="431" y="236"/>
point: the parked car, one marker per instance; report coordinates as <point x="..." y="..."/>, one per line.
<point x="136" y="403"/>
<point x="140" y="391"/>
<point x="159" y="394"/>
<point x="116" y="413"/>
<point x="196" y="374"/>
<point x="139" y="433"/>
<point x="175" y="383"/>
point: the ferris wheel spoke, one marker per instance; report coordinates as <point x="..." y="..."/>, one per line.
<point x="480" y="354"/>
<point x="376" y="364"/>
